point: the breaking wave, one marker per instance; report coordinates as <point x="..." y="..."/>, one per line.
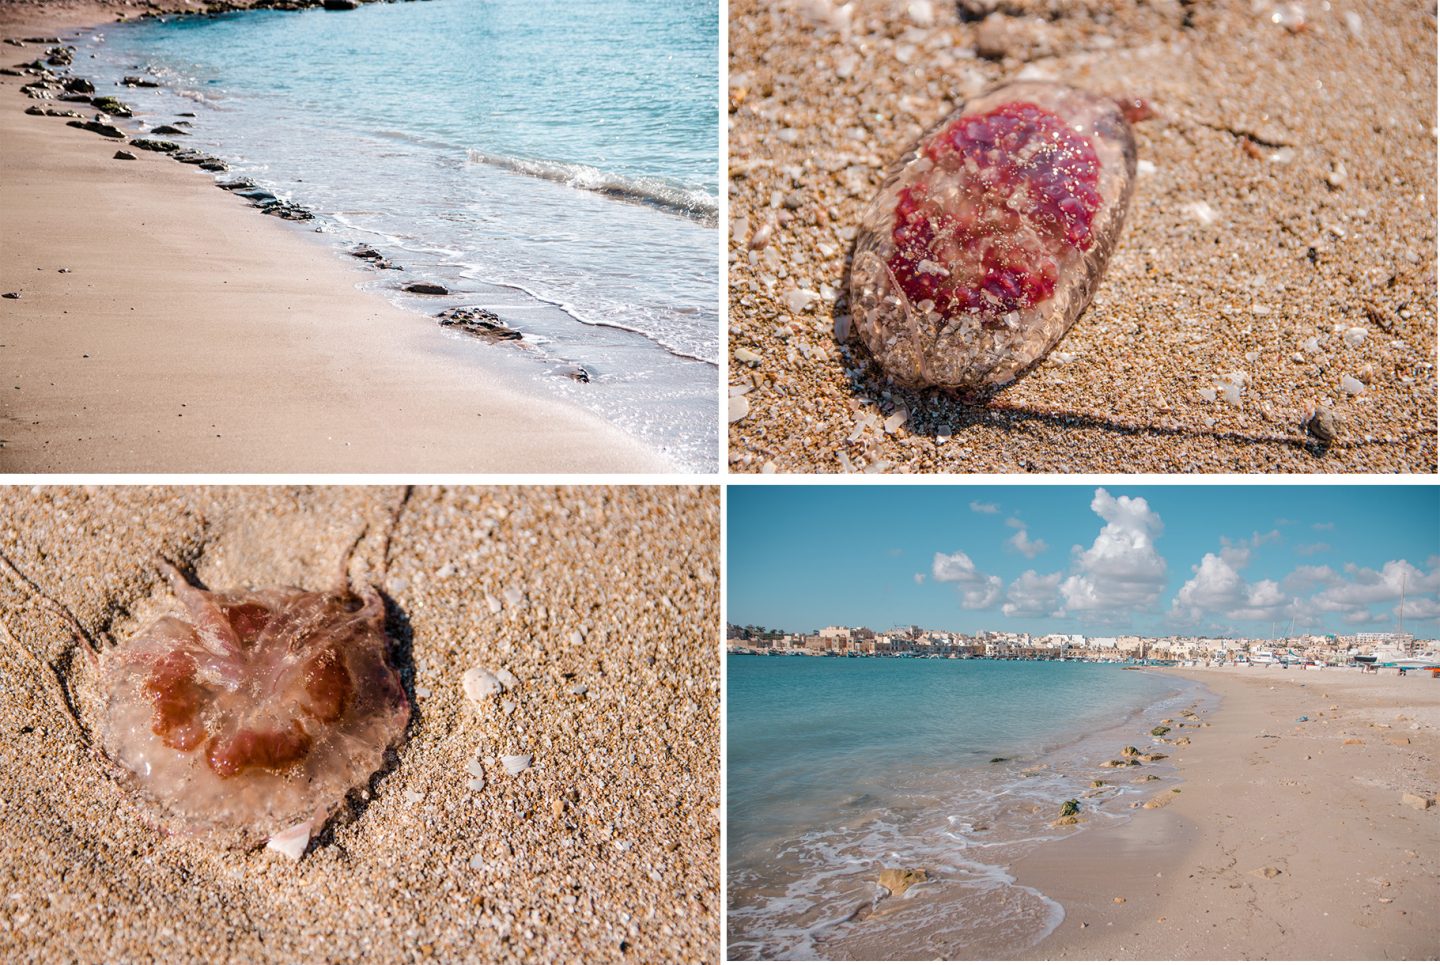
<point x="694" y="203"/>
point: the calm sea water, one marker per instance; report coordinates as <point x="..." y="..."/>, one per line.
<point x="556" y="162"/>
<point x="839" y="767"/>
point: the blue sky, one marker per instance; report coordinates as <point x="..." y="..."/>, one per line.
<point x="1213" y="559"/>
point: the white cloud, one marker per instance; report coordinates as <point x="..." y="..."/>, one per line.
<point x="989" y="509"/>
<point x="1217" y="589"/>
<point x="919" y="578"/>
<point x="1425" y="608"/>
<point x="1361" y="586"/>
<point x="1311" y="549"/>
<point x="977" y="590"/>
<point x="1015" y="522"/>
<point x="1303" y="579"/>
<point x="1322" y="527"/>
<point x="1030" y="548"/>
<point x="1033" y="595"/>
<point x="1121" y="570"/>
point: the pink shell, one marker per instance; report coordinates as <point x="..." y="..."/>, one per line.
<point x="261" y="710"/>
<point x="989" y="237"/>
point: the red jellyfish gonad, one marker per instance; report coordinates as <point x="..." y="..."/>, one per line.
<point x="257" y="712"/>
<point x="989" y="236"/>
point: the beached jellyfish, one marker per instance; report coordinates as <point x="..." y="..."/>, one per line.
<point x="989" y="237"/>
<point x="256" y="713"/>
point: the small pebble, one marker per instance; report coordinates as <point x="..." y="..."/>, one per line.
<point x="508" y="679"/>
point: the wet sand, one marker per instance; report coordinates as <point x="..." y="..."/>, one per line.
<point x="606" y="849"/>
<point x="1285" y="199"/>
<point x="1353" y="871"/>
<point x="192" y="334"/>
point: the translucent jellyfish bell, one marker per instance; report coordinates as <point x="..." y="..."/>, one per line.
<point x="990" y="235"/>
<point x="257" y="711"/>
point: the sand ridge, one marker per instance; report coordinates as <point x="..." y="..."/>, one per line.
<point x="1285" y="198"/>
<point x="607" y="848"/>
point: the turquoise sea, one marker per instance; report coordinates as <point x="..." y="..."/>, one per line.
<point x="838" y="767"/>
<point x="554" y="162"/>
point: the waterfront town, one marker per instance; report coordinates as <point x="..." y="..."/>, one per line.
<point x="913" y="641"/>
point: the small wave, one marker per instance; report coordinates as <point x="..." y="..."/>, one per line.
<point x="693" y="203"/>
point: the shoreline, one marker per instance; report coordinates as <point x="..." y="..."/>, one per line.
<point x="1032" y="786"/>
<point x="1351" y="868"/>
<point x="146" y="240"/>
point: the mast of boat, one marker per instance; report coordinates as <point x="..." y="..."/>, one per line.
<point x="1400" y="613"/>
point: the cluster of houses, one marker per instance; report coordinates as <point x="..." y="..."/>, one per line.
<point x="917" y="642"/>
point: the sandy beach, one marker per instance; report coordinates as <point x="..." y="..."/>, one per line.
<point x="189" y="333"/>
<point x="1288" y="839"/>
<point x="1277" y="260"/>
<point x="603" y="602"/>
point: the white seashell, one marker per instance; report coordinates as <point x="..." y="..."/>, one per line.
<point x="479" y="684"/>
<point x="515" y="763"/>
<point x="292" y="841"/>
<point x="508" y="679"/>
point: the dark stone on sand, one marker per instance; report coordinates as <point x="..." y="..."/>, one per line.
<point x="137" y="82"/>
<point x="341" y="4"/>
<point x="186" y="114"/>
<point x="42" y="40"/>
<point x="79" y="85"/>
<point x="285" y="210"/>
<point x="11" y="72"/>
<point x="32" y="109"/>
<point x="426" y="288"/>
<point x="104" y="130"/>
<point x="14" y="42"/>
<point x="76" y="98"/>
<point x="124" y="156"/>
<point x="111" y="106"/>
<point x="167" y="129"/>
<point x="10" y="295"/>
<point x="60" y="56"/>
<point x="479" y="322"/>
<point x="214" y="164"/>
<point x="38" y="92"/>
<point x="365" y="252"/>
<point x="146" y="144"/>
<point x="239" y="184"/>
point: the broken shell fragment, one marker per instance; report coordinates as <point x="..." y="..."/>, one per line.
<point x="292" y="841"/>
<point x="989" y="237"/>
<point x="515" y="763"/>
<point x="480" y="683"/>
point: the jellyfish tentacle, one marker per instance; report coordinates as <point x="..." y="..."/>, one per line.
<point x="212" y="630"/>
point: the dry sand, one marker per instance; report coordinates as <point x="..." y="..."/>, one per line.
<point x="1358" y="869"/>
<point x="193" y="334"/>
<point x="1310" y="147"/>
<point x="607" y="849"/>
